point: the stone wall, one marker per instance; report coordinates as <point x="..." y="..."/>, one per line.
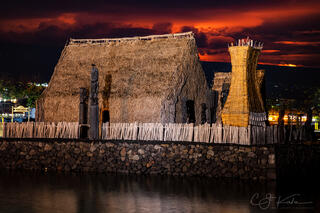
<point x="174" y="158"/>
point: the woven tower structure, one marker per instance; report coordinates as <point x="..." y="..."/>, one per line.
<point x="244" y="105"/>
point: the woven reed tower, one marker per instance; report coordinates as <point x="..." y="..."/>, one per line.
<point x="244" y="105"/>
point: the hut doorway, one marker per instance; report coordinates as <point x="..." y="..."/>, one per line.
<point x="105" y="116"/>
<point x="190" y="112"/>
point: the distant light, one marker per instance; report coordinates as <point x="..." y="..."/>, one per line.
<point x="287" y="65"/>
<point x="273" y="117"/>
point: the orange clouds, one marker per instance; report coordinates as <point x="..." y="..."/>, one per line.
<point x="270" y="51"/>
<point x="215" y="25"/>
<point x="64" y="20"/>
<point x="303" y="43"/>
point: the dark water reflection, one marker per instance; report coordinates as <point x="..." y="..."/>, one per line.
<point x="39" y="193"/>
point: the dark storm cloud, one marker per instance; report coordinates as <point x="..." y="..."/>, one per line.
<point x="201" y="38"/>
<point x="39" y="8"/>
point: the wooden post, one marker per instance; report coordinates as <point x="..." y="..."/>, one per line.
<point x="83" y="112"/>
<point x="94" y="108"/>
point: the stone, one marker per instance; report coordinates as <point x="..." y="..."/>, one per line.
<point x="109" y="145"/>
<point x="271" y="159"/>
<point x="123" y="152"/>
<point x="251" y="155"/>
<point x="93" y="148"/>
<point x="47" y="147"/>
<point x="135" y="157"/>
<point x="149" y="164"/>
<point x="210" y="152"/>
<point x="3" y="146"/>
<point x="32" y="152"/>
<point x="77" y="151"/>
<point x="141" y="151"/>
<point x="184" y="169"/>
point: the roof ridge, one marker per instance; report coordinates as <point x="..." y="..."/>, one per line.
<point x="150" y="37"/>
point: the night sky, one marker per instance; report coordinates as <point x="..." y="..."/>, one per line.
<point x="33" y="33"/>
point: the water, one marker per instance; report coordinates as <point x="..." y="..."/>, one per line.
<point x="69" y="193"/>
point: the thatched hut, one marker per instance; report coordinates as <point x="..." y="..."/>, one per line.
<point x="141" y="79"/>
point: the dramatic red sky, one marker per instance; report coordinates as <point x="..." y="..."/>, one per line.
<point x="290" y="29"/>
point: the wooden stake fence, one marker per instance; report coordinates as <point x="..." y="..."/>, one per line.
<point x="251" y="135"/>
<point x="42" y="130"/>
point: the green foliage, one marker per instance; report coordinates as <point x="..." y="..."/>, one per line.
<point x="32" y="93"/>
<point x="20" y="90"/>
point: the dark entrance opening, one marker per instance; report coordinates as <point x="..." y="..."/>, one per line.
<point x="105" y="116"/>
<point x="203" y="113"/>
<point x="190" y="112"/>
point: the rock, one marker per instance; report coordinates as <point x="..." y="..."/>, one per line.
<point x="252" y="155"/>
<point x="210" y="152"/>
<point x="32" y="152"/>
<point x="184" y="169"/>
<point x="135" y="157"/>
<point x="247" y="149"/>
<point x="3" y="146"/>
<point x="93" y="147"/>
<point x="109" y="145"/>
<point x="123" y="152"/>
<point x="47" y="147"/>
<point x="141" y="151"/>
<point x="77" y="151"/>
<point x="157" y="147"/>
<point x="271" y="159"/>
<point x="149" y="164"/>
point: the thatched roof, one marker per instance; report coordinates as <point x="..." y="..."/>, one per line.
<point x="140" y="67"/>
